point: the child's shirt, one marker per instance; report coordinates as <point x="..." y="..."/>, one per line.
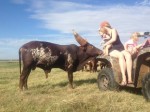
<point x="130" y="45"/>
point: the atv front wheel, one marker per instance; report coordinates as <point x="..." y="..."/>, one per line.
<point x="106" y="80"/>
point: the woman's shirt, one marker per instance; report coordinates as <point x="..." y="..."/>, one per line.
<point x="117" y="45"/>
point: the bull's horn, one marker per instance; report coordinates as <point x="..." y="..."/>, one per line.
<point x="79" y="39"/>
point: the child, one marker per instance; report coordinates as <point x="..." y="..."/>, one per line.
<point x="131" y="45"/>
<point x="105" y="38"/>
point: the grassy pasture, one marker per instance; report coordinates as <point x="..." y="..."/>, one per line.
<point x="53" y="94"/>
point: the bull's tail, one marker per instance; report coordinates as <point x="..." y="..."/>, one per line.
<point x="20" y="59"/>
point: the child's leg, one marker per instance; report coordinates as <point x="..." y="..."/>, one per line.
<point x="107" y="49"/>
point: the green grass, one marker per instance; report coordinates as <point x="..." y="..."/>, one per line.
<point x="54" y="95"/>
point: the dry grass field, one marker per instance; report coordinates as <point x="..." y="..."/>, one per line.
<point x="53" y="94"/>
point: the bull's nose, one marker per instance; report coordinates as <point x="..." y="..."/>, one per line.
<point x="100" y="52"/>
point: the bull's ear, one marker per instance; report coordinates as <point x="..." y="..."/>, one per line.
<point x="79" y="39"/>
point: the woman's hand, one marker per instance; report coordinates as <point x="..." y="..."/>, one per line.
<point x="104" y="45"/>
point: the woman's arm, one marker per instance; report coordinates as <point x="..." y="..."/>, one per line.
<point x="113" y="38"/>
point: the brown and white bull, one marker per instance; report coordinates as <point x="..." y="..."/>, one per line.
<point x="46" y="56"/>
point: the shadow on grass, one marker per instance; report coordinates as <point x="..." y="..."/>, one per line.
<point x="77" y="83"/>
<point x="64" y="84"/>
<point x="136" y="91"/>
<point x="87" y="81"/>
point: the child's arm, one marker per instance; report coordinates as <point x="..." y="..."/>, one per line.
<point x="139" y="46"/>
<point x="126" y="46"/>
<point x="113" y="38"/>
<point x="107" y="38"/>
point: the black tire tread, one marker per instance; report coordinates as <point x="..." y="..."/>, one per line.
<point x="146" y="86"/>
<point x="107" y="72"/>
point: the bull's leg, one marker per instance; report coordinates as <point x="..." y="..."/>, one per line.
<point x="90" y="68"/>
<point x="46" y="73"/>
<point x="26" y="80"/>
<point x="70" y="78"/>
<point x="24" y="77"/>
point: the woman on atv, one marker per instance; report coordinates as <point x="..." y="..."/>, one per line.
<point x="117" y="50"/>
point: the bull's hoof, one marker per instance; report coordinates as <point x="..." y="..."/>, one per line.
<point x="20" y="89"/>
<point x="71" y="86"/>
<point x="25" y="89"/>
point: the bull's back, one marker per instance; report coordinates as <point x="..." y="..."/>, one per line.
<point x="46" y="53"/>
<point x="37" y="44"/>
<point x="41" y="51"/>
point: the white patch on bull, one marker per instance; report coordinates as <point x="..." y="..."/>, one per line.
<point x="69" y="60"/>
<point x="43" y="55"/>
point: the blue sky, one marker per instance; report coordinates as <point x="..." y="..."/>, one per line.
<point x="53" y="20"/>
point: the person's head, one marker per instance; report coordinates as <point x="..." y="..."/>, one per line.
<point x="135" y="36"/>
<point x="105" y="24"/>
<point x="103" y="30"/>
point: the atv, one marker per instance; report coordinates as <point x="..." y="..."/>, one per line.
<point x="109" y="77"/>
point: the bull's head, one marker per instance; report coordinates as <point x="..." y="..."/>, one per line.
<point x="87" y="47"/>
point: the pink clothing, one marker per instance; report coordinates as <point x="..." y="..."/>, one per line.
<point x="130" y="45"/>
<point x="147" y="43"/>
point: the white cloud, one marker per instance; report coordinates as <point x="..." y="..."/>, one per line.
<point x="9" y="47"/>
<point x="63" y="16"/>
<point x="144" y="2"/>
